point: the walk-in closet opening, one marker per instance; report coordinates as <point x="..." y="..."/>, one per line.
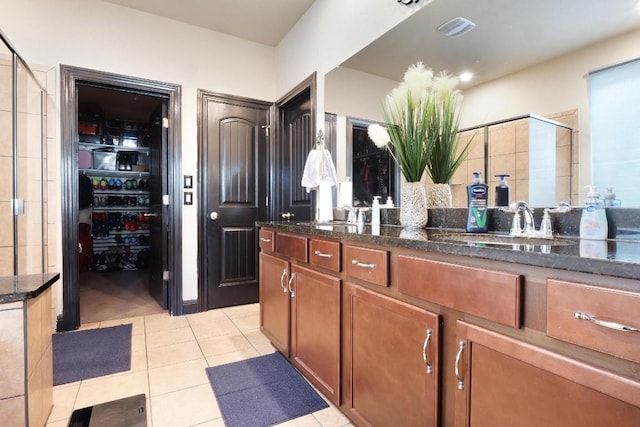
<point x="119" y="138"/>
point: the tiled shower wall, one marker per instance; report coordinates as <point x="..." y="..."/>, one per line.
<point x="509" y="154"/>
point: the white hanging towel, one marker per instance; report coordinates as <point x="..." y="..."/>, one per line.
<point x="319" y="167"/>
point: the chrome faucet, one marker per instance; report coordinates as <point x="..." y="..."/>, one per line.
<point x="522" y="209"/>
<point x="352" y="218"/>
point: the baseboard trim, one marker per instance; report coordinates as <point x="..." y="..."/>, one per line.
<point x="190" y="307"/>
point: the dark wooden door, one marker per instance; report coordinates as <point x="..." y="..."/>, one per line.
<point x="234" y="149"/>
<point x="158" y="254"/>
<point x="297" y="139"/>
<point x="389" y="348"/>
<point x="275" y="316"/>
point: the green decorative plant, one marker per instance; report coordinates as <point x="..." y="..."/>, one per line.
<point x="421" y="117"/>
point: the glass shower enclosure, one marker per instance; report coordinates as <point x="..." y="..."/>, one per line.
<point x="23" y="166"/>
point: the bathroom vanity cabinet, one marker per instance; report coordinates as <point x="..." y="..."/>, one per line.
<point x="431" y="337"/>
<point x="300" y="304"/>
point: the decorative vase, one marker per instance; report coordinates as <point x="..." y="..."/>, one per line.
<point x="413" y="204"/>
<point x="439" y="196"/>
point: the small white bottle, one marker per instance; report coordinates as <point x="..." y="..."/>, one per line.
<point x="593" y="222"/>
<point x="375" y="211"/>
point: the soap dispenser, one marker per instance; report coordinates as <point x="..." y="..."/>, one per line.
<point x="502" y="191"/>
<point x="610" y="200"/>
<point x="477" y="204"/>
<point x="375" y="211"/>
<point x="593" y="222"/>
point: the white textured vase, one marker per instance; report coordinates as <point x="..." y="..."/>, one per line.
<point x="439" y="196"/>
<point x="413" y="205"/>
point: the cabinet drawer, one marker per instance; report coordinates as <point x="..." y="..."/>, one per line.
<point x="292" y="246"/>
<point x="267" y="240"/>
<point x="371" y="265"/>
<point x="325" y="253"/>
<point x="598" y="318"/>
<point x="489" y="294"/>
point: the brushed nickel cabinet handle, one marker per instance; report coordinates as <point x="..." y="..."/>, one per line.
<point x="425" y="351"/>
<point x="459" y="376"/>
<point x="291" y="291"/>
<point x="361" y="264"/>
<point x="262" y="239"/>
<point x="323" y="255"/>
<point x="282" y="285"/>
<point x="604" y="323"/>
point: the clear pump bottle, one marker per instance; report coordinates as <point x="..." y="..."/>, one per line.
<point x="593" y="222"/>
<point x="610" y="200"/>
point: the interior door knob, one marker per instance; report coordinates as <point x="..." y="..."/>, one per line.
<point x="213" y="215"/>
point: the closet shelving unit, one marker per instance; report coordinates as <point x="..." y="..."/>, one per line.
<point x="120" y="210"/>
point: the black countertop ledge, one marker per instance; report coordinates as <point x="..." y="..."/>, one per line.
<point x="20" y="288"/>
<point x="615" y="257"/>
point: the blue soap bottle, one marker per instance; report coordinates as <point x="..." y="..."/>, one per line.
<point x="477" y="193"/>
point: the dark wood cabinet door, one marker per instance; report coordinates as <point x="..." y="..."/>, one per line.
<point x="506" y="382"/>
<point x="275" y="316"/>
<point x="315" y="329"/>
<point x="391" y="360"/>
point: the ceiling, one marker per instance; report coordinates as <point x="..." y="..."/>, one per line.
<point x="260" y="21"/>
<point x="510" y="35"/>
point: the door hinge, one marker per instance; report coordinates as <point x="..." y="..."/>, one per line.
<point x="165" y="199"/>
<point x="165" y="275"/>
<point x="165" y="122"/>
<point x="266" y="129"/>
<point x="17" y="206"/>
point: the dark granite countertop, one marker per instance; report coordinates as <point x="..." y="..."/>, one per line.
<point x="20" y="288"/>
<point x="614" y="257"/>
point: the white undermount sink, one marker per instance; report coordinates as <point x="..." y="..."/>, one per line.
<point x="498" y="239"/>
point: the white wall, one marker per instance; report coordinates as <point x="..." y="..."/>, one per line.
<point x="328" y="34"/>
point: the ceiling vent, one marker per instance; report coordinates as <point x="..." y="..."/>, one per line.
<point x="456" y="27"/>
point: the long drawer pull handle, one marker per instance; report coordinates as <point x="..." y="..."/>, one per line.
<point x="425" y="351"/>
<point x="282" y="285"/>
<point x="361" y="264"/>
<point x="323" y="255"/>
<point x="291" y="291"/>
<point x="459" y="377"/>
<point x="263" y="239"/>
<point x="605" y="324"/>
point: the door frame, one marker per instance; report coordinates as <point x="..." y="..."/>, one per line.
<point x="70" y="76"/>
<point x="205" y="96"/>
<point x="275" y="191"/>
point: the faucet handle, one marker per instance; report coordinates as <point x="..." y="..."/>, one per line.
<point x="562" y="207"/>
<point x="546" y="232"/>
<point x="515" y="225"/>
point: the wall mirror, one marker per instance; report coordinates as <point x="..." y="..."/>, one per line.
<point x="508" y="40"/>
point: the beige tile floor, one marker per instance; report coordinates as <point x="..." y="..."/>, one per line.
<point x="169" y="357"/>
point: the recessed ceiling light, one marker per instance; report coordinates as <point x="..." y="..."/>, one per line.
<point x="466" y="76"/>
<point x="456" y="27"/>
